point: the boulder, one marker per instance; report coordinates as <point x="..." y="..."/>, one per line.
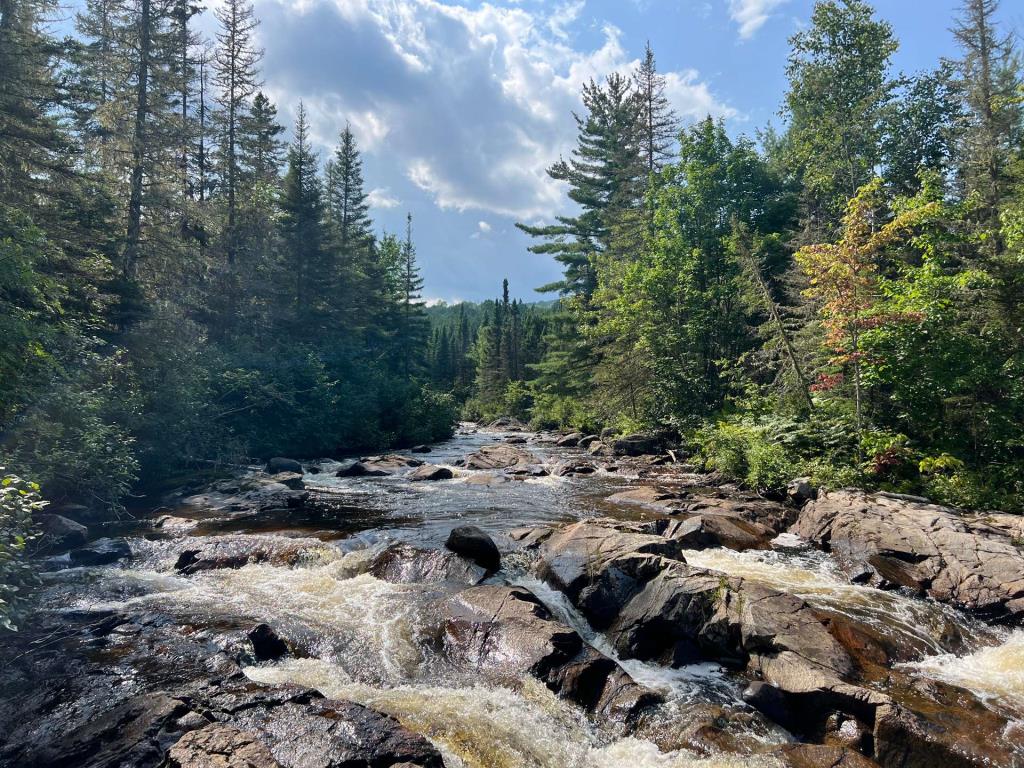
<point x="506" y="632"/>
<point x="587" y="440"/>
<point x="420" y="449"/>
<point x="801" y="490"/>
<point x="570" y="441"/>
<point x="515" y="440"/>
<point x="637" y="444"/>
<point x="473" y="544"/>
<point x="501" y="456"/>
<point x="573" y="467"/>
<point x="361" y="469"/>
<point x="431" y="472"/>
<point x="292" y="480"/>
<point x="406" y="564"/>
<point x="508" y="423"/>
<point x="267" y="645"/>
<point x="598" y="448"/>
<point x="60" y="533"/>
<point x="392" y="461"/>
<point x="708" y="531"/>
<point x="761" y="514"/>
<point x="488" y="480"/>
<point x="280" y="464"/>
<point x="101" y="552"/>
<point x="933" y="550"/>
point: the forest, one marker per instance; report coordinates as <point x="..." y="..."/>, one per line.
<point x="182" y="290"/>
<point x="842" y="299"/>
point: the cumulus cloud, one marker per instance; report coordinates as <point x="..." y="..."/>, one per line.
<point x="751" y="15"/>
<point x="472" y="104"/>
<point x="381" y="198"/>
<point x="483" y="226"/>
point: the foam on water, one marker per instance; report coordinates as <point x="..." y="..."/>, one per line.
<point x="994" y="674"/>
<point x="484" y="726"/>
<point x="812" y="576"/>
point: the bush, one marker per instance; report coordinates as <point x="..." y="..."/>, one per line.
<point x="18" y="501"/>
<point x="746" y="454"/>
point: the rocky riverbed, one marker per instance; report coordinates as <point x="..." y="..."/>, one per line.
<point x="511" y="599"/>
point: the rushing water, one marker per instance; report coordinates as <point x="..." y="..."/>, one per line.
<point x="363" y="637"/>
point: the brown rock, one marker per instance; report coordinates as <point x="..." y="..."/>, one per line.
<point x="220" y="746"/>
<point x="500" y="456"/>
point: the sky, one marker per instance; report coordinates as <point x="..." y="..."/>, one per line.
<point x="459" y="106"/>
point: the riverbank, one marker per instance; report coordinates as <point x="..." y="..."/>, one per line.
<point x="601" y="610"/>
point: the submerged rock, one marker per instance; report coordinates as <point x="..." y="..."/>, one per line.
<point x="473" y="544"/>
<point x="361" y="469"/>
<point x="101" y="552"/>
<point x="928" y="548"/>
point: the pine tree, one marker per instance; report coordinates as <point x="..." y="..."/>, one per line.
<point x="413" y="327"/>
<point x="236" y="62"/>
<point x="989" y="82"/>
<point x="658" y="123"/>
<point x="604" y="177"/>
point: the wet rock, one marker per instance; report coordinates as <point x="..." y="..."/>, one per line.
<point x="305" y="730"/>
<point x="570" y="441"/>
<point x="420" y="449"/>
<point x="587" y="440"/>
<point x="431" y="472"/>
<point x="406" y="564"/>
<point x="930" y="549"/>
<point x="235" y="551"/>
<point x="60" y="533"/>
<point x="220" y="746"/>
<point x="360" y="469"/>
<point x="473" y="544"/>
<point x="502" y="456"/>
<point x="800" y="491"/>
<point x="292" y="480"/>
<point x="507" y="631"/>
<point x="267" y="645"/>
<point x="515" y="440"/>
<point x="280" y="464"/>
<point x="573" y="467"/>
<point x="488" y="480"/>
<point x="820" y="756"/>
<point x="101" y="552"/>
<point x="598" y="448"/>
<point x="530" y="470"/>
<point x="708" y="531"/>
<point x="392" y="461"/>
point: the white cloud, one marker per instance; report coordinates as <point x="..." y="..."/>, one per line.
<point x="381" y="198"/>
<point x="483" y="226"/>
<point x="470" y="104"/>
<point x="752" y="14"/>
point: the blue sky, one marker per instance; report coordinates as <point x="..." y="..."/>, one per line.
<point x="460" y="106"/>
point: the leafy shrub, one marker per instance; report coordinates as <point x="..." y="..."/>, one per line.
<point x="746" y="454"/>
<point x="18" y="500"/>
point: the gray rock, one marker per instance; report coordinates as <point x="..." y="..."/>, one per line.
<point x="101" y="552"/>
<point x="431" y="472"/>
<point x="500" y="456"/>
<point x="800" y="491"/>
<point x="361" y="469"/>
<point x="281" y="464"/>
<point x="933" y="550"/>
<point x="473" y="544"/>
<point x="406" y="564"/>
<point x="570" y="441"/>
<point x="60" y="533"/>
<point x="291" y="480"/>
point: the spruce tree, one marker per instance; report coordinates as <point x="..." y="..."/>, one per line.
<point x="236" y="62"/>
<point x="658" y="123"/>
<point x="413" y="328"/>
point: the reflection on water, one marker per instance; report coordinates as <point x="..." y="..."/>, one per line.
<point x="494" y="727"/>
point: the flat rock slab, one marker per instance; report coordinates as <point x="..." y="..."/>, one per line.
<point x="501" y="456"/>
<point x="931" y="549"/>
<point x="235" y="551"/>
<point x="406" y="564"/>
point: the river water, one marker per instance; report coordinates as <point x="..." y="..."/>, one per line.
<point x="361" y="635"/>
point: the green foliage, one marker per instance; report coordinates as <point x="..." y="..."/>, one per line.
<point x="745" y="453"/>
<point x="19" y="499"/>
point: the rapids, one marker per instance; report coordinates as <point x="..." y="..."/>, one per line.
<point x="360" y="637"/>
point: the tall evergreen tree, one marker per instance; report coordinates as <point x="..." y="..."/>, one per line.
<point x="658" y="123"/>
<point x="236" y="62"/>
